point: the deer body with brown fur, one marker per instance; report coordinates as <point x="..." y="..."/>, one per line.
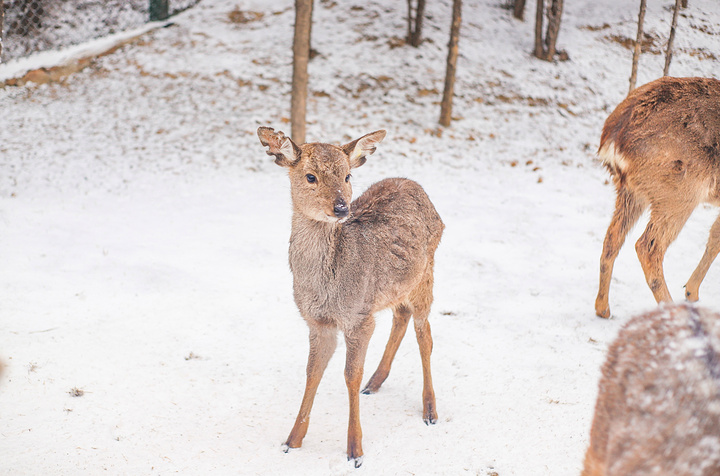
<point x="351" y="260"/>
<point x="662" y="148"/>
<point x="658" y="405"/>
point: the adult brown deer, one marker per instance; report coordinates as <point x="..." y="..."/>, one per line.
<point x="658" y="405"/>
<point x="351" y="261"/>
<point x="662" y="148"/>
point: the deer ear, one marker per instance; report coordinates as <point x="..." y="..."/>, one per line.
<point x="286" y="153"/>
<point x="358" y="150"/>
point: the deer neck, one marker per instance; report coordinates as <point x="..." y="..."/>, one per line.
<point x="313" y="244"/>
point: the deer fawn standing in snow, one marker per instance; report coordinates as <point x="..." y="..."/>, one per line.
<point x="662" y="148"/>
<point x="658" y="406"/>
<point x="350" y="261"/>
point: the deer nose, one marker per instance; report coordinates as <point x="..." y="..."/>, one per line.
<point x="340" y="209"/>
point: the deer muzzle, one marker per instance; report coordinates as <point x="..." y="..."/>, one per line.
<point x="341" y="209"/>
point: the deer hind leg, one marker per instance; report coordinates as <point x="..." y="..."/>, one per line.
<point x="628" y="208"/>
<point x="593" y="465"/>
<point x="422" y="298"/>
<point x="356" y="341"/>
<point x="692" y="288"/>
<point x="666" y="221"/>
<point x="401" y="317"/>
<point x="323" y="340"/>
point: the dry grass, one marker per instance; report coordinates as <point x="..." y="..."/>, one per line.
<point x="700" y="53"/>
<point x="241" y="17"/>
<point x="76" y="392"/>
<point x="650" y="43"/>
<point x="604" y="26"/>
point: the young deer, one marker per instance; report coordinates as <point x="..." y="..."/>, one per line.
<point x="662" y="148"/>
<point x="351" y="260"/>
<point x="658" y="405"/>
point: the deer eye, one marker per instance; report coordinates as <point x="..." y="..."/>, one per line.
<point x="311" y="178"/>
<point x="347" y="179"/>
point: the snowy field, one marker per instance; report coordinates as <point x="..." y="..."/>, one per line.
<point x="143" y="242"/>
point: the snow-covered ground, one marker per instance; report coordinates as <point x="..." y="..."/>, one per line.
<point x="143" y="241"/>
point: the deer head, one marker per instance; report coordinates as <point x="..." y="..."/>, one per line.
<point x="320" y="173"/>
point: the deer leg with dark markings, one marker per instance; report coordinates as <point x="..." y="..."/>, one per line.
<point x="664" y="226"/>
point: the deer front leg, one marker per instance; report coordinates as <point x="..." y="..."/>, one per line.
<point x="356" y="341"/>
<point x="323" y="340"/>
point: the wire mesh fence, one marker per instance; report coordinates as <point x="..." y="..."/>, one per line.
<point x="30" y="26"/>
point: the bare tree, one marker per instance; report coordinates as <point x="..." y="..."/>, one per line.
<point x="447" y="100"/>
<point x="545" y="49"/>
<point x="2" y="22"/>
<point x="301" y="56"/>
<point x="414" y="35"/>
<point x="553" y="29"/>
<point x="638" y="45"/>
<point x="668" y="53"/>
<point x="539" y="15"/>
<point x="519" y="9"/>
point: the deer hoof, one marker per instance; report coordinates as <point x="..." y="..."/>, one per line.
<point x="357" y="462"/>
<point x="430" y="416"/>
<point x="286" y="448"/>
<point x="368" y="390"/>
<point x="430" y="420"/>
<point x="691" y="295"/>
<point x="604" y="313"/>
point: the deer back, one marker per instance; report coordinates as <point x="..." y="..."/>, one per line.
<point x="658" y="407"/>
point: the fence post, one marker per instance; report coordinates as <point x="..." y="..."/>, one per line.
<point x="158" y="10"/>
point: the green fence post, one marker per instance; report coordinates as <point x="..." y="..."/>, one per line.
<point x="158" y="10"/>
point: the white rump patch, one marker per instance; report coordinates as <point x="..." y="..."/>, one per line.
<point x="612" y="158"/>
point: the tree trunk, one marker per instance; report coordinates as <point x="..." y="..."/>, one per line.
<point x="301" y="55"/>
<point x="2" y="22"/>
<point x="519" y="9"/>
<point x="545" y="49"/>
<point x="638" y="45"/>
<point x="409" y="22"/>
<point x="668" y="54"/>
<point x="414" y="37"/>
<point x="419" y="16"/>
<point x="447" y="100"/>
<point x="310" y="50"/>
<point x="539" y="15"/>
<point x="553" y="28"/>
